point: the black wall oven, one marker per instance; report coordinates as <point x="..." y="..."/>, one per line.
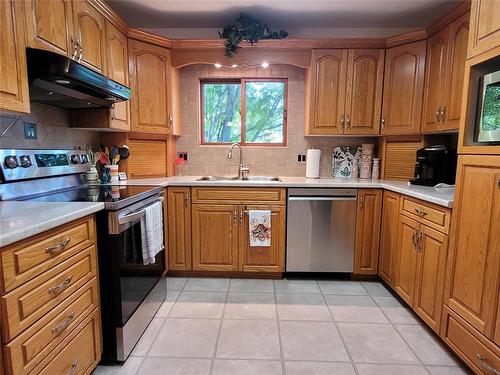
<point x="131" y="292"/>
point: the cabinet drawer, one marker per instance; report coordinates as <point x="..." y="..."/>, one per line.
<point x="78" y="353"/>
<point x="26" y="259"/>
<point x="429" y="214"/>
<point x="238" y="195"/>
<point x="31" y="301"/>
<point x="34" y="344"/>
<point x="480" y="354"/>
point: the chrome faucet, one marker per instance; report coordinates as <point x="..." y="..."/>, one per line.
<point x="242" y="169"/>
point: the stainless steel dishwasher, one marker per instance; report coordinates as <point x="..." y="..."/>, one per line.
<point x="320" y="230"/>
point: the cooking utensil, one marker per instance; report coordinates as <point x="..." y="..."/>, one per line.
<point x="113" y="151"/>
<point x="106" y="151"/>
<point x="104" y="158"/>
<point x="124" y="152"/>
<point x="97" y="156"/>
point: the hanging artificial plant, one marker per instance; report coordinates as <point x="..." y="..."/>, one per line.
<point x="249" y="29"/>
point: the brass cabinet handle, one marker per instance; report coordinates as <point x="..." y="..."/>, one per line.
<point x="58" y="329"/>
<point x="170" y="120"/>
<point x="414" y="240"/>
<point x="382" y="122"/>
<point x="420" y="235"/>
<point x="420" y="212"/>
<point x="60" y="287"/>
<point x="348" y="121"/>
<point x="438" y="113"/>
<point x="75" y="48"/>
<point x="81" y="51"/>
<point x="342" y="122"/>
<point x="235" y="218"/>
<point x="443" y="111"/>
<point x="57" y="248"/>
<point x="486" y="365"/>
<point x="242" y="211"/>
<point x="186" y="199"/>
<point x="74" y="365"/>
<point x="361" y="202"/>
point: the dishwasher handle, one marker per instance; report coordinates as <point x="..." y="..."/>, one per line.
<point x="313" y="198"/>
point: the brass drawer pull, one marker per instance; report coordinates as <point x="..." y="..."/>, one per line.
<point x="58" y="329"/>
<point x="186" y="199"/>
<point x="420" y="212"/>
<point x="57" y="248"/>
<point x="60" y="287"/>
<point x="72" y="371"/>
<point x="486" y="365"/>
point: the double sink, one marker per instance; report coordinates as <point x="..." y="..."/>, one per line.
<point x="246" y="178"/>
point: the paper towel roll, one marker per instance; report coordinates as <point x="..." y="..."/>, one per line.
<point x="312" y="166"/>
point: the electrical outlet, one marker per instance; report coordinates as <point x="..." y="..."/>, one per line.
<point x="301" y="158"/>
<point x="30" y="131"/>
<point x="183" y="155"/>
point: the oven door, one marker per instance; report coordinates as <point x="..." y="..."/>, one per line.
<point x="131" y="292"/>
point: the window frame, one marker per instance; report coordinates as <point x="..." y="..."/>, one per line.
<point x="242" y="82"/>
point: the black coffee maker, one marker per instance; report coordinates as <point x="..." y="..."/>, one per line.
<point x="435" y="164"/>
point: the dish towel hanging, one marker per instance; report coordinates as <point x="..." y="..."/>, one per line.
<point x="259" y="227"/>
<point x="152" y="232"/>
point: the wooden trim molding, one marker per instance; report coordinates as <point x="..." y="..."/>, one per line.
<point x="146" y="37"/>
<point x="400" y="39"/>
<point x="111" y="15"/>
<point x="462" y="7"/>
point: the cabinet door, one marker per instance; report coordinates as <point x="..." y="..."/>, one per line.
<point x="388" y="236"/>
<point x="215" y="237"/>
<point x="365" y="75"/>
<point x="403" y="89"/>
<point x="148" y="66"/>
<point x="265" y="258"/>
<point x="428" y="303"/>
<point x="406" y="259"/>
<point x="179" y="228"/>
<point x="457" y="54"/>
<point x="367" y="231"/>
<point x="435" y="73"/>
<point x="14" y="93"/>
<point x="50" y="25"/>
<point x="91" y="35"/>
<point x="473" y="267"/>
<point x="148" y="158"/>
<point x="117" y="70"/>
<point x="485" y="26"/>
<point x="328" y="75"/>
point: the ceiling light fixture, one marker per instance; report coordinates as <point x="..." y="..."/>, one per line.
<point x="217" y="65"/>
<point x="234" y="66"/>
<point x="265" y="64"/>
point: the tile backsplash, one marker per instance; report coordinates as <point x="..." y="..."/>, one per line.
<point x="281" y="161"/>
<point x="53" y="130"/>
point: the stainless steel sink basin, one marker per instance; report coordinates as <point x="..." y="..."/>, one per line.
<point x="248" y="178"/>
<point x="262" y="178"/>
<point x="217" y="178"/>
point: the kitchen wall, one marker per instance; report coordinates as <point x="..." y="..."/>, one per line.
<point x="281" y="161"/>
<point x="52" y="128"/>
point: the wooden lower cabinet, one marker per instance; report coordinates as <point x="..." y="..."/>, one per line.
<point x="215" y="231"/>
<point x="388" y="236"/>
<point x="179" y="228"/>
<point x="267" y="258"/>
<point x="420" y="269"/>
<point x="367" y="231"/>
<point x="473" y="266"/>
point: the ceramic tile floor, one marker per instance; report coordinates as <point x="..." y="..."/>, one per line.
<point x="292" y="327"/>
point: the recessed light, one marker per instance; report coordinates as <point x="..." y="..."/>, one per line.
<point x="234" y="66"/>
<point x="217" y="65"/>
<point x="265" y="65"/>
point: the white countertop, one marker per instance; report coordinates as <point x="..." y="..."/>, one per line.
<point x="441" y="196"/>
<point x="20" y="220"/>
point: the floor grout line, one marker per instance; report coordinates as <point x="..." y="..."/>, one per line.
<point x="219" y="330"/>
<point x="282" y="356"/>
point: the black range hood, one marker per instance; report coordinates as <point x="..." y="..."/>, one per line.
<point x="62" y="82"/>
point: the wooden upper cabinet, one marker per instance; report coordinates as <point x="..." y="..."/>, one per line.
<point x="179" y="228"/>
<point x="267" y="258"/>
<point x="484" y="25"/>
<point x="215" y="237"/>
<point x="432" y="250"/>
<point x="365" y="75"/>
<point x="446" y="55"/>
<point x="388" y="236"/>
<point x="50" y="25"/>
<point x="473" y="266"/>
<point x="457" y="54"/>
<point x="435" y="80"/>
<point x="403" y="89"/>
<point x="328" y="80"/>
<point x="367" y="231"/>
<point x="117" y="70"/>
<point x="148" y="68"/>
<point x="406" y="259"/>
<point x="14" y="92"/>
<point x="91" y="35"/>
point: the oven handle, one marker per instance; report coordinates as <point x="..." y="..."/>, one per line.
<point x="135" y="215"/>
